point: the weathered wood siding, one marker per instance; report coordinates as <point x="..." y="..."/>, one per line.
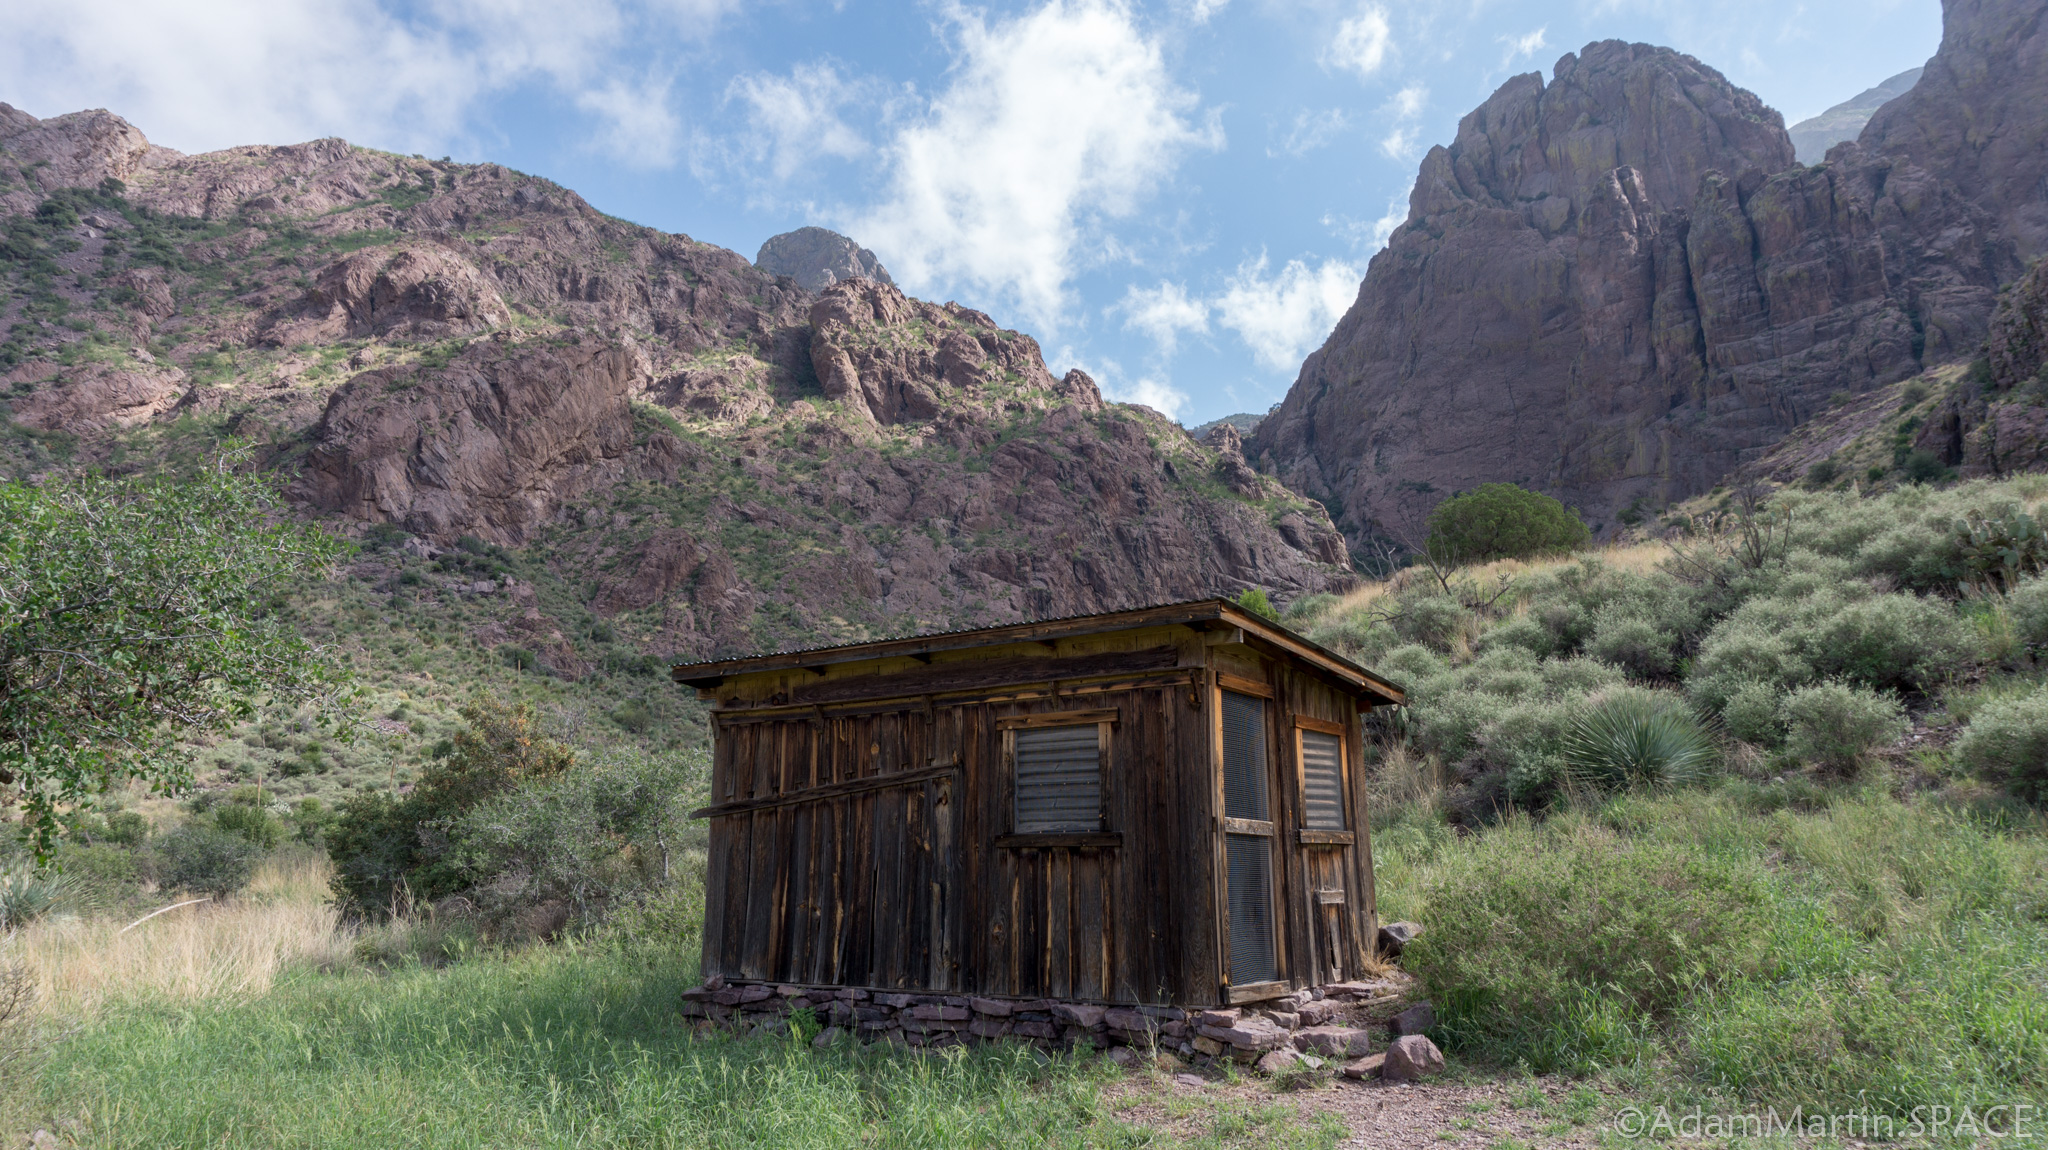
<point x="863" y="827"/>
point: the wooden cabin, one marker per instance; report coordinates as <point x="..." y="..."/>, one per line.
<point x="1158" y="806"/>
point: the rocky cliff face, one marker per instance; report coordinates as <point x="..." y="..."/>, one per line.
<point x="715" y="457"/>
<point x="1812" y="137"/>
<point x="1619" y="286"/>
<point x="817" y="258"/>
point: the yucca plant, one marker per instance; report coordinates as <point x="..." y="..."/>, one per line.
<point x="27" y="894"/>
<point x="1629" y="737"/>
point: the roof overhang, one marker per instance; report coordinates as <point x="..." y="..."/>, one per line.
<point x="1202" y="614"/>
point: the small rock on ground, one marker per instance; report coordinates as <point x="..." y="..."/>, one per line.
<point x="1415" y="1019"/>
<point x="1412" y="1058"/>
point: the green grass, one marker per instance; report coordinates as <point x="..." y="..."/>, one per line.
<point x="546" y="1048"/>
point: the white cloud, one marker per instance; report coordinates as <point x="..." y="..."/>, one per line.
<point x="1361" y="42"/>
<point x="1156" y="394"/>
<point x="1311" y="130"/>
<point x="1409" y="102"/>
<point x="280" y="71"/>
<point x="1383" y="229"/>
<point x="1527" y="44"/>
<point x="792" y="119"/>
<point x="1054" y="122"/>
<point x="1199" y="11"/>
<point x="1284" y="317"/>
<point x="640" y="125"/>
<point x="1163" y="313"/>
<point x="1399" y="144"/>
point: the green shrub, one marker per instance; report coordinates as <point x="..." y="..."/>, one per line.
<point x="1630" y="736"/>
<point x="1502" y="521"/>
<point x="1254" y="600"/>
<point x="2008" y="740"/>
<point x="1752" y="714"/>
<point x="1562" y="945"/>
<point x="1435" y="621"/>
<point x="1632" y="643"/>
<point x="204" y="859"/>
<point x="127" y="828"/>
<point x="1891" y="641"/>
<point x="1837" y="725"/>
<point x="2028" y="607"/>
<point x="1308" y="608"/>
<point x="249" y="822"/>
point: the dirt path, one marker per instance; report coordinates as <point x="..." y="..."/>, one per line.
<point x="1516" y="1112"/>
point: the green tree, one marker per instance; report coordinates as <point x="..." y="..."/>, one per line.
<point x="136" y="613"/>
<point x="387" y="849"/>
<point x="1502" y="521"/>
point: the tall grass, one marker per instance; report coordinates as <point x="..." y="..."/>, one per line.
<point x="230" y="949"/>
<point x="549" y="1047"/>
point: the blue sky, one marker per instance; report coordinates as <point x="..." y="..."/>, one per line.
<point x="1179" y="197"/>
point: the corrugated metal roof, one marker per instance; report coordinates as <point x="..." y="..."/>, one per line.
<point x="711" y="671"/>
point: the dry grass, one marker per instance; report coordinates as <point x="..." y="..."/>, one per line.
<point x="1641" y="558"/>
<point x="234" y="948"/>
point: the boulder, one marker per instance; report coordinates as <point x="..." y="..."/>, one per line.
<point x="1416" y="1019"/>
<point x="1368" y="1067"/>
<point x="1248" y="1034"/>
<point x="1395" y="937"/>
<point x="1412" y="1058"/>
<point x="1123" y="1056"/>
<point x="1080" y="1014"/>
<point x="1333" y="1041"/>
<point x="1279" y="1061"/>
<point x="827" y="1037"/>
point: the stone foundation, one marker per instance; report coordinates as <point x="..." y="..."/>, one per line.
<point x="1328" y="1021"/>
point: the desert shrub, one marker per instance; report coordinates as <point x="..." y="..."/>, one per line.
<point x="127" y="828"/>
<point x="249" y="822"/>
<point x="1633" y="643"/>
<point x="1308" y="608"/>
<point x="388" y="849"/>
<point x="101" y="873"/>
<point x="1836" y="725"/>
<point x="585" y="836"/>
<point x="2028" y="608"/>
<point x="1752" y="714"/>
<point x="2008" y="740"/>
<point x="1890" y="641"/>
<point x="1502" y="521"/>
<point x="1524" y="631"/>
<point x="1256" y="601"/>
<point x="1630" y="736"/>
<point x="634" y="716"/>
<point x="1739" y="653"/>
<point x="203" y="859"/>
<point x="310" y="818"/>
<point x="1358" y="636"/>
<point x="1561" y="945"/>
<point x="1435" y="621"/>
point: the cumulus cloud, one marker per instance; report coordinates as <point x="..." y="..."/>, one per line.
<point x="1400" y="142"/>
<point x="1199" y="11"/>
<point x="1311" y="130"/>
<point x="1361" y="42"/>
<point x="1527" y="44"/>
<point x="793" y="119"/>
<point x="1284" y="316"/>
<point x="1053" y="123"/>
<point x="280" y="71"/>
<point x="1383" y="229"/>
<point x="1163" y="313"/>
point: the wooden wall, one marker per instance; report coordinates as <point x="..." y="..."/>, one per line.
<point x="861" y="848"/>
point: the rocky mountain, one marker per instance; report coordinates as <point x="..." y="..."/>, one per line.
<point x="1618" y="286"/>
<point x="450" y="360"/>
<point x="1812" y="137"/>
<point x="817" y="258"/>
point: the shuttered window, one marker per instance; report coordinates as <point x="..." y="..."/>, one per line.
<point x="1059" y="780"/>
<point x="1251" y="909"/>
<point x="1322" y="778"/>
<point x="1244" y="756"/>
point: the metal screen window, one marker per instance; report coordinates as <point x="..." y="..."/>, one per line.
<point x="1244" y="756"/>
<point x="1322" y="777"/>
<point x="1251" y="910"/>
<point x="1059" y="780"/>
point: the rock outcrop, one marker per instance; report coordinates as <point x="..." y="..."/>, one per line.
<point x="710" y="457"/>
<point x="1812" y="137"/>
<point x="817" y="258"/>
<point x="1619" y="286"/>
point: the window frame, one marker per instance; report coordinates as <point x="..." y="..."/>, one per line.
<point x="1103" y="720"/>
<point x="1306" y="836"/>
